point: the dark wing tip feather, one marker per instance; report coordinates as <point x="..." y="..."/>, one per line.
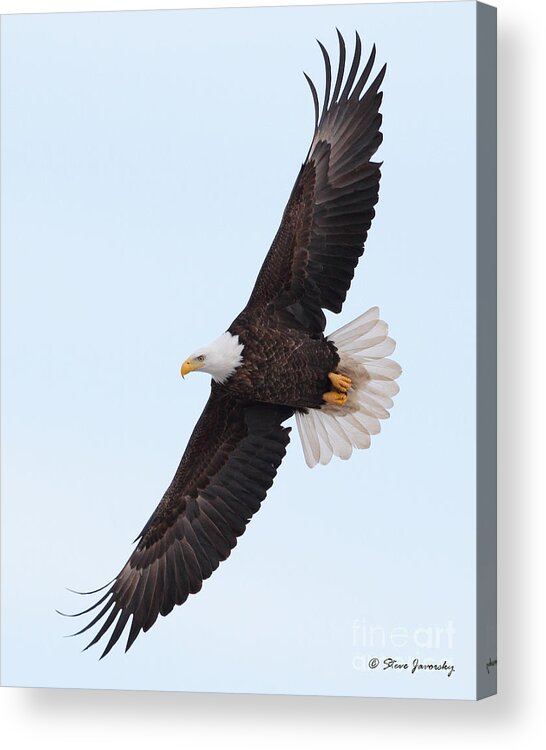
<point x="95" y="591"/>
<point x="341" y="66"/>
<point x="133" y="634"/>
<point x="363" y="79"/>
<point x="97" y="617"/>
<point x="380" y="76"/>
<point x="89" y="609"/>
<point x="354" y="69"/>
<point x="116" y="609"/>
<point x="328" y="81"/>
<point x="315" y="98"/>
<point x="355" y="83"/>
<point x="118" y="630"/>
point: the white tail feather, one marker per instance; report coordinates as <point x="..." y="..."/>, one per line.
<point x="363" y="346"/>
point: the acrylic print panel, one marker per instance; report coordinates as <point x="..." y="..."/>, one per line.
<point x="146" y="161"/>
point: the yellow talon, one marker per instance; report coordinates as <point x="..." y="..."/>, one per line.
<point x="340" y="382"/>
<point x="335" y="397"/>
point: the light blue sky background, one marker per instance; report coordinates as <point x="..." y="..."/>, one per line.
<point x="146" y="161"/>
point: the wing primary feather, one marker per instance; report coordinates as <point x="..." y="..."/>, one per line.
<point x="374" y="86"/>
<point x="149" y="595"/>
<point x="328" y="83"/>
<point x="85" y="611"/>
<point x="195" y="576"/>
<point x="341" y="67"/>
<point x="169" y="587"/>
<point x="315" y="98"/>
<point x="179" y="571"/>
<point x="133" y="633"/>
<point x="136" y="624"/>
<point x="105" y="626"/>
<point x="353" y="70"/>
<point x="87" y="593"/>
<point x="156" y="594"/>
<point x="94" y="621"/>
<point x="197" y="546"/>
<point x="128" y="586"/>
<point x="118" y="630"/>
<point x="364" y="76"/>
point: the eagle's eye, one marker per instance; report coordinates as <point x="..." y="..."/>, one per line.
<point x="200" y="358"/>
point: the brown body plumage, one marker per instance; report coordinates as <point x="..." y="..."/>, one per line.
<point x="283" y="364"/>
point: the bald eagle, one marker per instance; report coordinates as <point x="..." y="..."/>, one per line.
<point x="274" y="362"/>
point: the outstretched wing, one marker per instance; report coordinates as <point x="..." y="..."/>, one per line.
<point x="229" y="465"/>
<point x="312" y="260"/>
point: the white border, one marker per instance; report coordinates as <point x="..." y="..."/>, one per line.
<point x="76" y="6"/>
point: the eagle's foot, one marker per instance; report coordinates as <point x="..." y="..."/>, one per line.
<point x="335" y="397"/>
<point x="340" y="382"/>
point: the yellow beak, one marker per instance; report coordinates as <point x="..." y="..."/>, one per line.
<point x="187" y="367"/>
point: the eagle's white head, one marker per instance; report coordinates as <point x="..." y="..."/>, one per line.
<point x="220" y="359"/>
